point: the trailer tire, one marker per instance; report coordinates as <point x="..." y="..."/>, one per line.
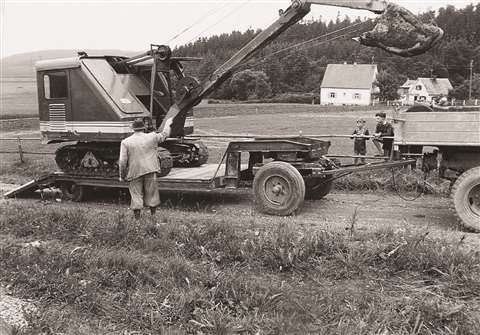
<point x="279" y="189"/>
<point x="72" y="191"/>
<point x="317" y="189"/>
<point x="466" y="198"/>
<point x="202" y="154"/>
<point x="165" y="161"/>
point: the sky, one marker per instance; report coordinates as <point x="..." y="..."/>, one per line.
<point x="132" y="25"/>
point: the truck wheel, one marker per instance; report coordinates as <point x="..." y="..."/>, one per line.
<point x="278" y="188"/>
<point x="317" y="188"/>
<point x="466" y="198"/>
<point x="72" y="191"/>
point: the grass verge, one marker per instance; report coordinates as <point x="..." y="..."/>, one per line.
<point x="94" y="272"/>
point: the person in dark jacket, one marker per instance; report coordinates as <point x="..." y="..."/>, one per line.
<point x="360" y="141"/>
<point x="383" y="134"/>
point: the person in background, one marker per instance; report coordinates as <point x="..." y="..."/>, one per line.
<point x="138" y="164"/>
<point x="360" y="138"/>
<point x="383" y="129"/>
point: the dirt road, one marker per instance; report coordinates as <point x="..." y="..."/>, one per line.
<point x="336" y="212"/>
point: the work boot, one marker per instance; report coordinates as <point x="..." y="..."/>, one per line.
<point x="153" y="210"/>
<point x="136" y="214"/>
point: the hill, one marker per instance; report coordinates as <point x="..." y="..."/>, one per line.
<point x="22" y="65"/>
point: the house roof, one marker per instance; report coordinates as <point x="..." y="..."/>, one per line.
<point x="436" y="86"/>
<point x="408" y="83"/>
<point x="349" y="76"/>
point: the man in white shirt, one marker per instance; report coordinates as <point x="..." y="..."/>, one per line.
<point x="138" y="164"/>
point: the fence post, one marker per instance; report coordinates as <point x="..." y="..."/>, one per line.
<point x="20" y="150"/>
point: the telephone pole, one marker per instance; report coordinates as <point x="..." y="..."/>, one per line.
<point x="471" y="80"/>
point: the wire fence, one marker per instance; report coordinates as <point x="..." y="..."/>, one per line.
<point x="20" y="149"/>
<point x="22" y="152"/>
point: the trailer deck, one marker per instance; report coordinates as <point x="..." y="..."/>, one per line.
<point x="204" y="178"/>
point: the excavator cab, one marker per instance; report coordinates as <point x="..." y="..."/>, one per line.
<point x="95" y="98"/>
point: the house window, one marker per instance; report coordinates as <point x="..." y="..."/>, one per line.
<point x="357" y="96"/>
<point x="418" y="87"/>
<point x="333" y="95"/>
<point x="55" y="85"/>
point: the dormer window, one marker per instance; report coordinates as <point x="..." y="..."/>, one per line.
<point x="418" y="87"/>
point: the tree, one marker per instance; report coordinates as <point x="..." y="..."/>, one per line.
<point x="274" y="70"/>
<point x="296" y="69"/>
<point x="250" y="84"/>
<point x="207" y="67"/>
<point x="461" y="91"/>
<point x="388" y="83"/>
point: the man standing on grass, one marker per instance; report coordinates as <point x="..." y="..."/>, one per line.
<point x="383" y="129"/>
<point x="138" y="164"/>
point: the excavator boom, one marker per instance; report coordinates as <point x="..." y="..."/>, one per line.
<point x="192" y="92"/>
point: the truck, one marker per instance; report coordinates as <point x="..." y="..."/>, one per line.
<point x="92" y="100"/>
<point x="448" y="140"/>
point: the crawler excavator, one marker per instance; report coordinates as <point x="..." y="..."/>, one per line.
<point x="92" y="100"/>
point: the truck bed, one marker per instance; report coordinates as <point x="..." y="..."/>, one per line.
<point x="444" y="128"/>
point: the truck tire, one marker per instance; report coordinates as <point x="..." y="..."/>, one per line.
<point x="72" y="191"/>
<point x="278" y="188"/>
<point x="466" y="198"/>
<point x="317" y="188"/>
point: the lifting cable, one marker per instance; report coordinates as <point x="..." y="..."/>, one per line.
<point x="419" y="192"/>
<point x="305" y="44"/>
<point x="203" y="17"/>
<point x="295" y="46"/>
<point x="221" y="19"/>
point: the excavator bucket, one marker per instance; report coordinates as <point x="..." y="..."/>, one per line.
<point x="400" y="32"/>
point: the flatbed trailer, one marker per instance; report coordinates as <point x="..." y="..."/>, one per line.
<point x="279" y="178"/>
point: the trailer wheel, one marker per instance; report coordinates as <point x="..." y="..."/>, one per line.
<point x="466" y="198"/>
<point x="317" y="188"/>
<point x="202" y="154"/>
<point x="165" y="160"/>
<point x="72" y="191"/>
<point x="278" y="188"/>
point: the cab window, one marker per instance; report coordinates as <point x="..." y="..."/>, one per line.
<point x="55" y="85"/>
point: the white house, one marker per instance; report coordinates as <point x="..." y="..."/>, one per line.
<point x="424" y="90"/>
<point x="348" y="84"/>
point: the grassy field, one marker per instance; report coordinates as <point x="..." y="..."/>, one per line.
<point x="95" y="271"/>
<point x="18" y="97"/>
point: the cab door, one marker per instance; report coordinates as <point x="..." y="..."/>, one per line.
<point x="55" y="101"/>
